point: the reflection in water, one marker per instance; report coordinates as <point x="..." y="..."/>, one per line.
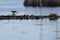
<point x="18" y="27"/>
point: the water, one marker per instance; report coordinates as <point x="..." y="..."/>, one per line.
<point x="26" y="29"/>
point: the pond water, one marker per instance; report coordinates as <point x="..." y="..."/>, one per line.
<point x="27" y="29"/>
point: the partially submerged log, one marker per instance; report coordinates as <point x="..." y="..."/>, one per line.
<point x="27" y="17"/>
<point x="45" y="3"/>
<point x="52" y="16"/>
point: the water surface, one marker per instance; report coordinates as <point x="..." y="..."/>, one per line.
<point x="27" y="29"/>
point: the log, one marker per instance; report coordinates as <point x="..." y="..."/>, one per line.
<point x="45" y="3"/>
<point x="27" y="17"/>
